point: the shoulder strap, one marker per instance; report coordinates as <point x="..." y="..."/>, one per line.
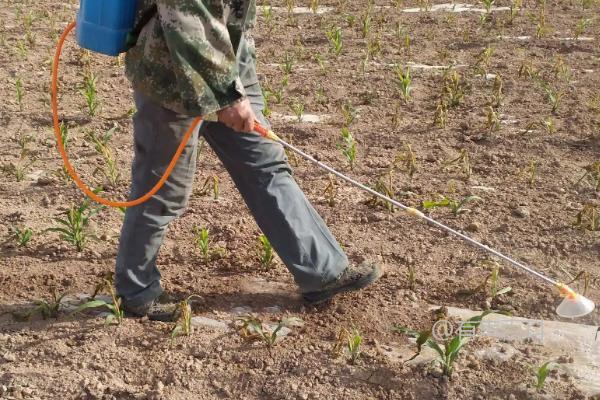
<point x="147" y="15"/>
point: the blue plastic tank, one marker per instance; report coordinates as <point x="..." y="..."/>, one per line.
<point x="103" y="25"/>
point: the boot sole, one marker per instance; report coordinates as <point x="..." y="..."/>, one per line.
<point x="314" y="298"/>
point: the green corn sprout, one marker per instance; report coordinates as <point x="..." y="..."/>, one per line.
<point x="287" y="66"/>
<point x="495" y="290"/>
<point x="90" y="93"/>
<point x="266" y="251"/>
<point x="21" y="235"/>
<point x="553" y="95"/>
<point x="64" y="134"/>
<point x="298" y="110"/>
<point x="321" y="62"/>
<point x="74" y="227"/>
<point x="354" y="343"/>
<point x="201" y="237"/>
<point x="22" y="49"/>
<point x="488" y="10"/>
<point x="267" y="13"/>
<point x="20" y="92"/>
<point x="404" y="82"/>
<point x="448" y="351"/>
<point x="351" y="342"/>
<point x="335" y="40"/>
<point x="365" y="24"/>
<point x="543" y="372"/>
<point x="348" y="146"/>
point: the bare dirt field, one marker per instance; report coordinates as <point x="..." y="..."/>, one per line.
<point x="503" y="105"/>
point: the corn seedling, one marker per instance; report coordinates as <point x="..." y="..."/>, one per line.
<point x="588" y="218"/>
<point x="21" y="235"/>
<point x="448" y="351"/>
<point x="404" y="82"/>
<point x="22" y="49"/>
<point x="210" y="185"/>
<point x="320" y="96"/>
<point x="488" y="10"/>
<point x="561" y="70"/>
<point x="90" y="93"/>
<point x="549" y="125"/>
<point x="287" y="66"/>
<point x="74" y="226"/>
<point x="330" y="192"/>
<point x="424" y="5"/>
<point x="456" y="206"/>
<point x="492" y="119"/>
<point x="252" y="328"/>
<point x="45" y="308"/>
<point x="412" y="277"/>
<point x="348" y="146"/>
<point x="201" y="237"/>
<point x="366" y="23"/>
<point x="592" y="175"/>
<point x="267" y="13"/>
<point x="321" y="62"/>
<point x="582" y="25"/>
<point x="553" y="95"/>
<point x="463" y="160"/>
<point x="103" y="284"/>
<point x="543" y="372"/>
<point x="349" y="341"/>
<point x="530" y="173"/>
<point x="116" y="312"/>
<point x="20" y="93"/>
<point x="298" y="110"/>
<point x="494" y="278"/>
<point x="64" y="134"/>
<point x="266" y="251"/>
<point x="334" y="34"/>
<point x="515" y="8"/>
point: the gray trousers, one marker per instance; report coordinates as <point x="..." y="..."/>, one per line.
<point x="260" y="172"/>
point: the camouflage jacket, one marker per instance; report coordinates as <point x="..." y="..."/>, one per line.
<point x="185" y="57"/>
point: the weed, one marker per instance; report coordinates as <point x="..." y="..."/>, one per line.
<point x="404" y="82"/>
<point x="330" y="191"/>
<point x="351" y="341"/>
<point x="266" y="251"/>
<point x="592" y="175"/>
<point x="549" y="125"/>
<point x="64" y="134"/>
<point x="334" y="34"/>
<point x="211" y="184"/>
<point x="412" y="277"/>
<point x="348" y="146"/>
<point x="453" y="91"/>
<point x="440" y="118"/>
<point x="314" y="6"/>
<point x="497" y="92"/>
<point x="561" y="70"/>
<point x="581" y="27"/>
<point x="253" y="328"/>
<point x="201" y="237"/>
<point x="366" y="23"/>
<point x="531" y="172"/>
<point x="116" y="312"/>
<point x="492" y="119"/>
<point x="74" y="227"/>
<point x="90" y="93"/>
<point x="46" y="308"/>
<point x="515" y="8"/>
<point x="588" y="218"/>
<point x="20" y="93"/>
<point x="543" y="372"/>
<point x="320" y="96"/>
<point x="21" y="235"/>
<point x="384" y="186"/>
<point x="406" y="160"/>
<point x="483" y="59"/>
<point x="184" y="324"/>
<point x="348" y="113"/>
<point x="456" y="206"/>
<point x="463" y="160"/>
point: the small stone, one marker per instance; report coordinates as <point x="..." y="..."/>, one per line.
<point x="521" y="212"/>
<point x="46" y="201"/>
<point x="473" y="227"/>
<point x="9" y="357"/>
<point x="160" y="387"/>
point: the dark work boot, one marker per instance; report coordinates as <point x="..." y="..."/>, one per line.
<point x="162" y="309"/>
<point x="353" y="278"/>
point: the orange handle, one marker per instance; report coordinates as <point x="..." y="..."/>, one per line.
<point x="85" y="188"/>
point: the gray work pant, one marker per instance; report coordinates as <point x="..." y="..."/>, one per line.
<point x="259" y="170"/>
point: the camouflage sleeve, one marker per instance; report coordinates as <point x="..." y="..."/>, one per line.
<point x="203" y="56"/>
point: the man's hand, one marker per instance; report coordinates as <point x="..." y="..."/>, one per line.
<point x="239" y="117"/>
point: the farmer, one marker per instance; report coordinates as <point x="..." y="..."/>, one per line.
<point x="195" y="58"/>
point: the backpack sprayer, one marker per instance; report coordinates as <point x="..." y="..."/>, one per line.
<point x="108" y="27"/>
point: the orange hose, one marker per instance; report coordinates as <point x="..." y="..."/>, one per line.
<point x="65" y="158"/>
